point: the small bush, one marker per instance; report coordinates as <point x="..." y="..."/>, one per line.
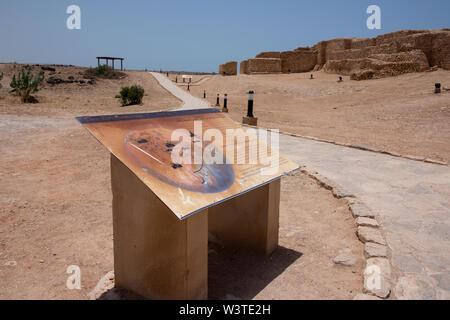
<point x="131" y="95"/>
<point x="104" y="72"/>
<point x="25" y="83"/>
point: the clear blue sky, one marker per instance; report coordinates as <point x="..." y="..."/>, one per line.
<point x="195" y="35"/>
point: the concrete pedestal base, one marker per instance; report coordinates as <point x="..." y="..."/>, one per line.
<point x="225" y="110"/>
<point x="155" y="254"/>
<point x="249" y="221"/>
<point x="160" y="257"/>
<point x="250" y="121"/>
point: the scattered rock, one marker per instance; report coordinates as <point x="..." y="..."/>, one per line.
<point x="374" y="250"/>
<point x="366" y="234"/>
<point x="367" y="222"/>
<point x="377" y="277"/>
<point x="362" y="296"/>
<point x="361" y="210"/>
<point x="345" y="259"/>
<point x="11" y="263"/>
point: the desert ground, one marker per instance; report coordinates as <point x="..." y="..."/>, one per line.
<point x="55" y="197"/>
<point x="400" y="114"/>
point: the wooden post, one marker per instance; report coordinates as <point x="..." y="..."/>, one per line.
<point x="113" y="64"/>
<point x="249" y="221"/>
<point x="121" y="64"/>
<point x="156" y="255"/>
<point x="98" y="62"/>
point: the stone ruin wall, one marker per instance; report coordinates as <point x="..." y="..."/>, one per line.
<point x="243" y="68"/>
<point x="386" y="55"/>
<point x="228" y="69"/>
<point x="264" y="65"/>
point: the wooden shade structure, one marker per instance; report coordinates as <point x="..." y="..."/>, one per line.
<point x="112" y="59"/>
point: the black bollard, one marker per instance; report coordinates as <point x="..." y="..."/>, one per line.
<point x="176" y="79"/>
<point x="437" y="88"/>
<point x="250" y="104"/>
<point x="225" y="103"/>
<point x="218" y="101"/>
<point x="250" y="119"/>
<point x="204" y="94"/>
<point x="188" y="89"/>
<point x="312" y="76"/>
<point x="340" y="79"/>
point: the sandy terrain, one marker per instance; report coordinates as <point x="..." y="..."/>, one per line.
<point x="399" y="114"/>
<point x="55" y="207"/>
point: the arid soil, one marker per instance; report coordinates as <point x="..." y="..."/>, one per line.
<point x="399" y="114"/>
<point x="55" y="207"/>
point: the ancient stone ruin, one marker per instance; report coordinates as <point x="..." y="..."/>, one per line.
<point x="228" y="69"/>
<point x="386" y="55"/>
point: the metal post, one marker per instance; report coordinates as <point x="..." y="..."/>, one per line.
<point x="121" y="64"/>
<point x="204" y="94"/>
<point x="188" y="88"/>
<point x="437" y="88"/>
<point x="176" y="79"/>
<point x="218" y="101"/>
<point x="225" y="98"/>
<point x="250" y="104"/>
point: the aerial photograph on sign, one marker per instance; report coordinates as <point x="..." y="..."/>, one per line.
<point x="276" y="152"/>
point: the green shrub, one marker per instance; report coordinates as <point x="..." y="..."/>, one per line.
<point x="131" y="95"/>
<point x="104" y="72"/>
<point x="25" y="83"/>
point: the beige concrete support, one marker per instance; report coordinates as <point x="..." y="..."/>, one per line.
<point x="249" y="221"/>
<point x="155" y="254"/>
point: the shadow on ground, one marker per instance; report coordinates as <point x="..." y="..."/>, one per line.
<point x="232" y="274"/>
<point x="238" y="274"/>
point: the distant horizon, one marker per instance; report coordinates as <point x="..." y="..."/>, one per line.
<point x="193" y="37"/>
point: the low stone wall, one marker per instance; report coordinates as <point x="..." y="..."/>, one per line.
<point x="298" y="61"/>
<point x="379" y="65"/>
<point x="228" y="69"/>
<point x="243" y="68"/>
<point x="264" y="65"/>
<point x="440" y="55"/>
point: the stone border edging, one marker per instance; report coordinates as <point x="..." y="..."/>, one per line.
<point x="369" y="232"/>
